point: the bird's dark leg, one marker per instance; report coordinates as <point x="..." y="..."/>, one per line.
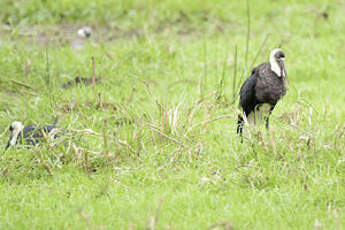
<point x="256" y="109"/>
<point x="267" y="119"/>
<point x="254" y="117"/>
<point x="267" y="122"/>
<point x="240" y="125"/>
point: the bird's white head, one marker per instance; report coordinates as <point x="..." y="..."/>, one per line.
<point x="15" y="128"/>
<point x="277" y="61"/>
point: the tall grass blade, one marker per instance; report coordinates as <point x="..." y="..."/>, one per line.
<point x="234" y="81"/>
<point x="248" y="35"/>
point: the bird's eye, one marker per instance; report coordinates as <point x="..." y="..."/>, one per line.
<point x="11" y="128"/>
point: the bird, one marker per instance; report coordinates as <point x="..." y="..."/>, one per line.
<point x="84" y="32"/>
<point x="30" y="134"/>
<point x="260" y="93"/>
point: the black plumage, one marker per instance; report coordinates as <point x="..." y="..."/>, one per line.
<point x="31" y="134"/>
<point x="265" y="86"/>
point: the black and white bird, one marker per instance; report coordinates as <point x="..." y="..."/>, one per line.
<point x="31" y="134"/>
<point x="85" y="32"/>
<point x="260" y="93"/>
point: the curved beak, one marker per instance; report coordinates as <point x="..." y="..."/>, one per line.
<point x="7" y="146"/>
<point x="283" y="69"/>
<point x="10" y="142"/>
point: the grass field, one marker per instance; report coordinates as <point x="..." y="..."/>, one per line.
<point x="153" y="145"/>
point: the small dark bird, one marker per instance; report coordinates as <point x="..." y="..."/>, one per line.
<point x="260" y="93"/>
<point x="80" y="80"/>
<point x="30" y="134"/>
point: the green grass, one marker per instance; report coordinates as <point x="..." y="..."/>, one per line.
<point x="164" y="153"/>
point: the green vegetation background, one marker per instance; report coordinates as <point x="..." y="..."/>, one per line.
<point x="153" y="145"/>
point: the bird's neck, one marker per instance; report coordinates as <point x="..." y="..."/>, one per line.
<point x="14" y="139"/>
<point x="275" y="67"/>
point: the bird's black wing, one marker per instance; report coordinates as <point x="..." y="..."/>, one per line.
<point x="33" y="133"/>
<point x="247" y="99"/>
<point x="247" y="94"/>
<point x="47" y="129"/>
<point x="28" y="130"/>
<point x="27" y="134"/>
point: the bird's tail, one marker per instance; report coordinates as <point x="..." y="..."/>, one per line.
<point x="56" y="121"/>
